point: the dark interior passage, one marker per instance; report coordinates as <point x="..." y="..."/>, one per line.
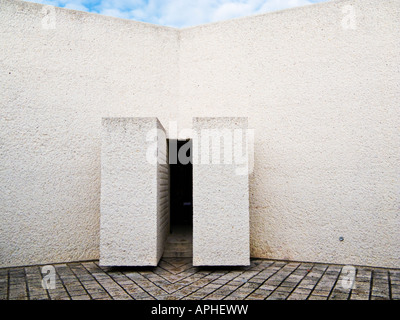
<point x="181" y="175"/>
<point x="179" y="243"/>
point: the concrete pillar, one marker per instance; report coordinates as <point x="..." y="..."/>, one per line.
<point x="220" y="192"/>
<point x="134" y="192"/>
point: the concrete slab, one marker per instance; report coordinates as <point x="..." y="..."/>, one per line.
<point x="134" y="192"/>
<point x="220" y="193"/>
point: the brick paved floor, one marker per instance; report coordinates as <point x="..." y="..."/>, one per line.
<point x="177" y="279"/>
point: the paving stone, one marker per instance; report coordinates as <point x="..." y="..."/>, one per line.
<point x="312" y="297"/>
<point x="268" y="287"/>
<point x="82" y="297"/>
<point x="322" y="293"/>
<point x="39" y="297"/>
<point x="34" y="284"/>
<point x="284" y="289"/>
<point x="380" y="284"/>
<point x="396" y="296"/>
<point x="297" y="296"/>
<point x="379" y="298"/>
<point x="261" y="293"/>
<point x="359" y="296"/>
<point x="214" y="296"/>
<point x="254" y="297"/>
<point x="59" y="295"/>
<point x="278" y="296"/>
<point x="339" y="296"/>
<point x="176" y="279"/>
<point x="302" y="291"/>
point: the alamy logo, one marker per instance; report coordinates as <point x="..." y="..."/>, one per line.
<point x="49" y="19"/>
<point x="349" y="277"/>
<point x="207" y="146"/>
<point x="49" y="277"/>
<point x="349" y="20"/>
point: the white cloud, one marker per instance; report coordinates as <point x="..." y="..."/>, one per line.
<point x="273" y="5"/>
<point x="178" y="13"/>
<point x="232" y="9"/>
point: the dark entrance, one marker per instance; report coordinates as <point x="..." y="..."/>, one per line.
<point x="179" y="242"/>
<point x="181" y="175"/>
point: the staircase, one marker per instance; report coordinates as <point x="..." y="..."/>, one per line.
<point x="179" y="243"/>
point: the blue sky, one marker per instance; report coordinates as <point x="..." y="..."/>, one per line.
<point x="178" y="13"/>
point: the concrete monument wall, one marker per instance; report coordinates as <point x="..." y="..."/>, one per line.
<point x="319" y="84"/>
<point x="220" y="192"/>
<point x="134" y="210"/>
<point x="55" y="86"/>
<point x="321" y="87"/>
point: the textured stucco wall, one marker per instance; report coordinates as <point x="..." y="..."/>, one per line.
<point x="56" y="85"/>
<point x="220" y="195"/>
<point x="134" y="210"/>
<point x="323" y="100"/>
<point x="163" y="183"/>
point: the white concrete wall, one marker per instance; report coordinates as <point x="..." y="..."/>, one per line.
<point x="323" y="99"/>
<point x="134" y="212"/>
<point x="324" y="103"/>
<point x="221" y="232"/>
<point x="55" y="86"/>
<point x="163" y="197"/>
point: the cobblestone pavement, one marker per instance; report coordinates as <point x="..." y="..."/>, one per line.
<point x="177" y="279"/>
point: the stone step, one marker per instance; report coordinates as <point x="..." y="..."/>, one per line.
<point x="178" y="248"/>
<point x="173" y="242"/>
<point x="177" y="255"/>
<point x="179" y="244"/>
<point x="178" y="251"/>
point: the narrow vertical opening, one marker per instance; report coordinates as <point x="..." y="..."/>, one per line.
<point x="179" y="242"/>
